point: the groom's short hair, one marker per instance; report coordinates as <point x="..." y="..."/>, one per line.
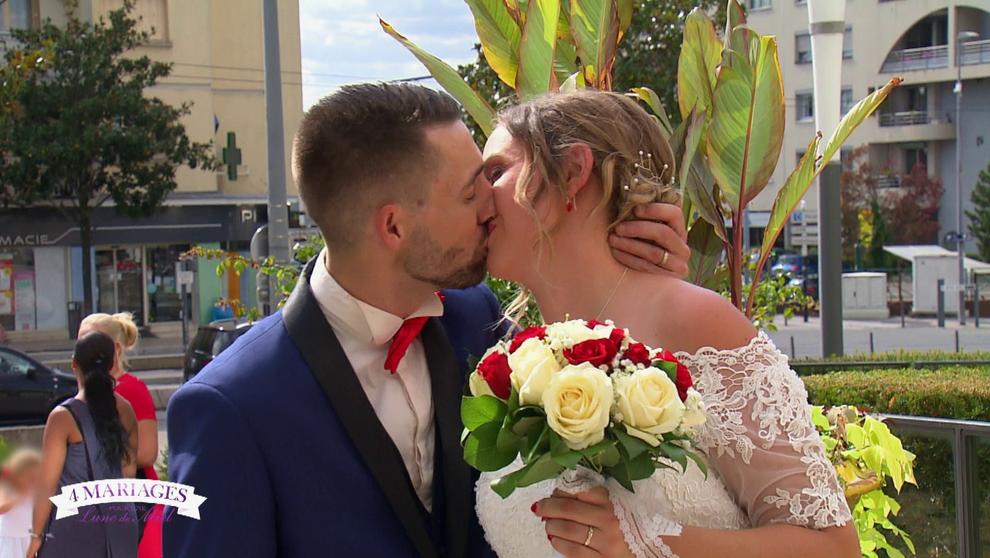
<point x="362" y="145"/>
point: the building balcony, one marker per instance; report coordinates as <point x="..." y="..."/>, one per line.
<point x="913" y="59"/>
<point x="974" y="52"/>
<point x="905" y="118"/>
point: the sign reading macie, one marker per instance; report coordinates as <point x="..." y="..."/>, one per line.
<point x="106" y="491"/>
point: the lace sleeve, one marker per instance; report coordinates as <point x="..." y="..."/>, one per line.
<point x="760" y="439"/>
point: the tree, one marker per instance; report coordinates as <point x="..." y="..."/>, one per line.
<point x="83" y="133"/>
<point x="979" y="218"/>
<point x="913" y="215"/>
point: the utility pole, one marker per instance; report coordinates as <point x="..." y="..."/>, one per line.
<point x="826" y="22"/>
<point x="961" y="37"/>
<point x="278" y="211"/>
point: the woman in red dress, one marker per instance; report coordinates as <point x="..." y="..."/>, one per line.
<point x="124" y="331"/>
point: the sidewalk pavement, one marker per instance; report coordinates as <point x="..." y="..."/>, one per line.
<point x="61" y="349"/>
<point x="799" y="339"/>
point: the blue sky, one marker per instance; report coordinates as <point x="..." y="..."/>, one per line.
<point x="343" y="43"/>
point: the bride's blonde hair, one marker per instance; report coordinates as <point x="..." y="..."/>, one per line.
<point x="632" y="159"/>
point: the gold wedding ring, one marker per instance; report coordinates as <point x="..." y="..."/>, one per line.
<point x="666" y="254"/>
<point x="591" y="533"/>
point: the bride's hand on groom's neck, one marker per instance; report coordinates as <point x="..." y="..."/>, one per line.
<point x="656" y="242"/>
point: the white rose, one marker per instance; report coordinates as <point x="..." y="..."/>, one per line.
<point x="694" y="410"/>
<point x="649" y="404"/>
<point x="533" y="365"/>
<point x="569" y="333"/>
<point x="578" y="402"/>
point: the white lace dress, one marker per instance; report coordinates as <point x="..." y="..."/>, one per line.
<point x="766" y="464"/>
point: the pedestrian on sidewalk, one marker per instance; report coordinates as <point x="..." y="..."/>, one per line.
<point x="124" y="332"/>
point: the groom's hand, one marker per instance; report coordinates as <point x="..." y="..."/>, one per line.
<point x="656" y="242"/>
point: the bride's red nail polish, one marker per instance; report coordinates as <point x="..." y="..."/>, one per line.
<point x="549" y="537"/>
<point x="533" y="508"/>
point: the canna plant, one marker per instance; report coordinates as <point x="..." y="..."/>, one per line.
<point x="730" y="103"/>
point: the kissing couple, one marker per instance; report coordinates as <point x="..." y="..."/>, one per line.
<point x="332" y="428"/>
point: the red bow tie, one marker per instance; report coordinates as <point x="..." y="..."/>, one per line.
<point x="407" y="333"/>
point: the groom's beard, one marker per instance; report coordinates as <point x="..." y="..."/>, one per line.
<point x="451" y="268"/>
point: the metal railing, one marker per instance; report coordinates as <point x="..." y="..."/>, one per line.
<point x="974" y="52"/>
<point x="963" y="436"/>
<point x="904" y="118"/>
<point x="911" y="59"/>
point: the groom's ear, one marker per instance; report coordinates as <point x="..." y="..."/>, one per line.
<point x="579" y="163"/>
<point x="391" y="226"/>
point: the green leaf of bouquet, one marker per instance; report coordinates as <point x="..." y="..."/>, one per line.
<point x="677" y="454"/>
<point x="642" y="467"/>
<point x="632" y="446"/>
<point x="481" y="449"/>
<point x="699" y="462"/>
<point x="539" y="470"/>
<point x="536" y="443"/>
<point x="621" y="475"/>
<point x="561" y="454"/>
<point x="508" y="441"/>
<point x="524" y="426"/>
<point x="479" y="411"/>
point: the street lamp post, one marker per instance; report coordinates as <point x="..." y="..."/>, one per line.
<point x="826" y="23"/>
<point x="961" y="37"/>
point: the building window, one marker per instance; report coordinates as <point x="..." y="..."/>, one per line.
<point x="16" y="14"/>
<point x="846" y="100"/>
<point x="759" y="4"/>
<point x="152" y="16"/>
<point x="847" y="43"/>
<point x="802" y="48"/>
<point x="804" y="104"/>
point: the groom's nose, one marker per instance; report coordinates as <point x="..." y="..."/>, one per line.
<point x="487" y="206"/>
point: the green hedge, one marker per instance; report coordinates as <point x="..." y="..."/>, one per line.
<point x="956" y="392"/>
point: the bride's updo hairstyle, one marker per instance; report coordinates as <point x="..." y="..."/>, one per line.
<point x="633" y="161"/>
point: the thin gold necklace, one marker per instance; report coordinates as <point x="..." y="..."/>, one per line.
<point x="612" y="294"/>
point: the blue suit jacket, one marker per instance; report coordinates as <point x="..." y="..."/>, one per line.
<point x="280" y="438"/>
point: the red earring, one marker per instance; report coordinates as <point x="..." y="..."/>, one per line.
<point x="570" y="205"/>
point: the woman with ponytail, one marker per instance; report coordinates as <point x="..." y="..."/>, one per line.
<point x="124" y="332"/>
<point x="92" y="436"/>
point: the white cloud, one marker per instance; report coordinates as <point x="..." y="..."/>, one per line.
<point x="342" y="41"/>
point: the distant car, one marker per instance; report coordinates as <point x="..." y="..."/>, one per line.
<point x="210" y="341"/>
<point x="29" y="390"/>
<point x="787" y="264"/>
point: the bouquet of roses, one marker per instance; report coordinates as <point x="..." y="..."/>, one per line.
<point x="579" y="394"/>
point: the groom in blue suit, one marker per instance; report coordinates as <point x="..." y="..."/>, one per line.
<point x="332" y="428"/>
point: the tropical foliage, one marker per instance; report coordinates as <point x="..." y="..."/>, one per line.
<point x="729" y="97"/>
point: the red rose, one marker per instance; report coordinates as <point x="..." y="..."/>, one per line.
<point x="617" y="336"/>
<point x="595" y="351"/>
<point x="683" y="381"/>
<point x="638" y="354"/>
<point x="593" y="323"/>
<point x="495" y="371"/>
<point x="530" y="332"/>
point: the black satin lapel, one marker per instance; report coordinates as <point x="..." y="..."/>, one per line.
<point x="445" y="377"/>
<point x="328" y="363"/>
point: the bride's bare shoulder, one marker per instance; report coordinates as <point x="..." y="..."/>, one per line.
<point x="704" y="318"/>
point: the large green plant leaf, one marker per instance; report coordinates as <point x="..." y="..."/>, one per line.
<point x="625" y="10"/>
<point x="450" y="80"/>
<point x="706" y="248"/>
<point x="517" y="9"/>
<point x="747" y="124"/>
<point x="653" y="101"/>
<point x="701" y="52"/>
<point x="856" y="116"/>
<point x="499" y="35"/>
<point x="536" y="49"/>
<point x="789" y="196"/>
<point x="595" y="28"/>
<point x="565" y="57"/>
<point x="735" y="15"/>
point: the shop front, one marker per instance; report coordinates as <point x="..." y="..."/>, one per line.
<point x="134" y="263"/>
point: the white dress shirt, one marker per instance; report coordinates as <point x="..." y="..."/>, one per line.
<point x="403" y="401"/>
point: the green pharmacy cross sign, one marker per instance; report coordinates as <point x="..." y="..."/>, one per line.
<point x="231" y="156"/>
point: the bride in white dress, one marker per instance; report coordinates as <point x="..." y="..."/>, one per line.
<point x="567" y="169"/>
